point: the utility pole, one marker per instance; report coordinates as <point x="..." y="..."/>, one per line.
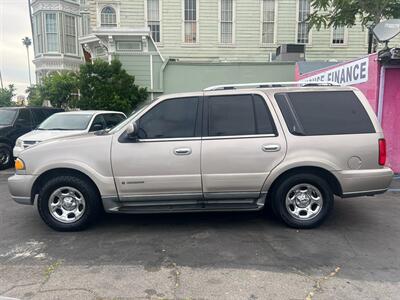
<point x="1" y="80"/>
<point x="27" y="42"/>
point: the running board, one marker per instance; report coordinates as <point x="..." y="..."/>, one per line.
<point x="113" y="205"/>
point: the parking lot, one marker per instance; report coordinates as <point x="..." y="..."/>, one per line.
<point x="355" y="254"/>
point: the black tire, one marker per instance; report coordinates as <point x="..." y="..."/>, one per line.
<point x="87" y="190"/>
<point x="6" y="157"/>
<point x="281" y="191"/>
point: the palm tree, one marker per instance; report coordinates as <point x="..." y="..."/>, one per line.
<point x="27" y="42"/>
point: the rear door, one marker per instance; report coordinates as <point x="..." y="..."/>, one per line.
<point x="241" y="145"/>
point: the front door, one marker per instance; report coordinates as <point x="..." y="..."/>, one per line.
<point x="241" y="145"/>
<point x="162" y="167"/>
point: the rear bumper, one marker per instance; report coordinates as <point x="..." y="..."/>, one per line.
<point x="20" y="187"/>
<point x="364" y="182"/>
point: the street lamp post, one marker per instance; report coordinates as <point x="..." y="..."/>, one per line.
<point x="27" y="42"/>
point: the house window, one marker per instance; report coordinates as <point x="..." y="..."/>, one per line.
<point x="70" y="35"/>
<point x="302" y="24"/>
<point x="226" y="22"/>
<point x="129" y="46"/>
<point x="153" y="19"/>
<point x="52" y="32"/>
<point x="85" y="24"/>
<point x="338" y="34"/>
<point x="268" y="21"/>
<point x="190" y="21"/>
<point x="38" y="30"/>
<point x="108" y="17"/>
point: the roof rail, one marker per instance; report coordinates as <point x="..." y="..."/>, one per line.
<point x="270" y="85"/>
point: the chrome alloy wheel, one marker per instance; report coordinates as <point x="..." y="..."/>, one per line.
<point x="304" y="202"/>
<point x="67" y="204"/>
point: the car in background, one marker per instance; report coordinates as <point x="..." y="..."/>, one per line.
<point x="69" y="123"/>
<point x="16" y="121"/>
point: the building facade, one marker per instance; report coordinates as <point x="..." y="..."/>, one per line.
<point x="56" y="27"/>
<point x="226" y="30"/>
<point x="149" y="36"/>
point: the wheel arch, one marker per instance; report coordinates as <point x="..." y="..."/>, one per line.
<point x="316" y="170"/>
<point x="7" y="142"/>
<point x="60" y="171"/>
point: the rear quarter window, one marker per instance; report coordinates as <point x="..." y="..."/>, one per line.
<point x="324" y="113"/>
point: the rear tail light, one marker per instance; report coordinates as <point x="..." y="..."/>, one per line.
<point x="382" y="152"/>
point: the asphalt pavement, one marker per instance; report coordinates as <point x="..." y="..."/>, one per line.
<point x="354" y="255"/>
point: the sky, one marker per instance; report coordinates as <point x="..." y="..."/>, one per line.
<point x="14" y="26"/>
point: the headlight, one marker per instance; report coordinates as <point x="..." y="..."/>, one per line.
<point x="19" y="164"/>
<point x="18" y="143"/>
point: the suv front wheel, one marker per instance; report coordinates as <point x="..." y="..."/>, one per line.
<point x="303" y="200"/>
<point x="68" y="203"/>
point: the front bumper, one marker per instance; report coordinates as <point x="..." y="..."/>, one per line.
<point x="364" y="182"/>
<point x="20" y="187"/>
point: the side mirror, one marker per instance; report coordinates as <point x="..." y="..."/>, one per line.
<point x="132" y="130"/>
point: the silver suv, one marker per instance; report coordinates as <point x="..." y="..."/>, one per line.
<point x="226" y="148"/>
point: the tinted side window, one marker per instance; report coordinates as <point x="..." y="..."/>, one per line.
<point x="264" y="122"/>
<point x="324" y="113"/>
<point x="113" y="119"/>
<point x="24" y="118"/>
<point x="238" y="115"/>
<point x="39" y="115"/>
<point x="97" y="122"/>
<point x="173" y="118"/>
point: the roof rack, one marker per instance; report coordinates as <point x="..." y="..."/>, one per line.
<point x="270" y="85"/>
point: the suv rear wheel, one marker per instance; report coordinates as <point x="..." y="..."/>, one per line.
<point x="303" y="200"/>
<point x="6" y="159"/>
<point x="68" y="203"/>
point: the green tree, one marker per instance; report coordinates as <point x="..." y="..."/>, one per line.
<point x="334" y="13"/>
<point x="6" y="95"/>
<point x="109" y="87"/>
<point x="61" y="88"/>
<point x="34" y="96"/>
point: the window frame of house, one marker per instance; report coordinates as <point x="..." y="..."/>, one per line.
<point x="85" y="24"/>
<point x="100" y="14"/>
<point x="309" y="42"/>
<point x="233" y="41"/>
<point x="56" y="33"/>
<point x="38" y="33"/>
<point x="274" y="22"/>
<point x="196" y="22"/>
<point x="119" y="43"/>
<point x="146" y="8"/>
<point x="67" y="34"/>
<point x="345" y="37"/>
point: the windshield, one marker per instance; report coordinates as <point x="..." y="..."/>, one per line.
<point x="7" y="116"/>
<point x="68" y="121"/>
<point x="130" y="118"/>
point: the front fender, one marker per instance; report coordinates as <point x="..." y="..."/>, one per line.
<point x="104" y="182"/>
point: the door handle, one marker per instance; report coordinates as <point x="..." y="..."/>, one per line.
<point x="182" y="151"/>
<point x="271" y="148"/>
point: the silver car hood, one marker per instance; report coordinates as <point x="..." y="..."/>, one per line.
<point x="43" y="135"/>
